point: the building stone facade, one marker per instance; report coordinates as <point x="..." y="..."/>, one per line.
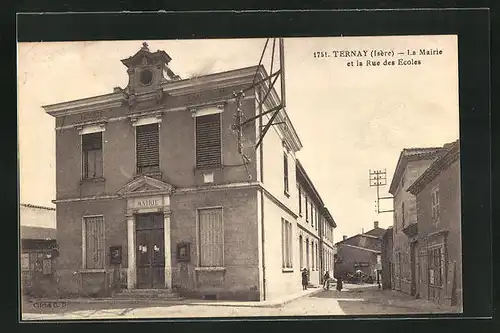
<point x="153" y="193"/>
<point x="411" y="164"/>
<point x="359" y="252"/>
<point x="315" y="229"/>
<point x="438" y="198"/>
<point x="387" y="259"/>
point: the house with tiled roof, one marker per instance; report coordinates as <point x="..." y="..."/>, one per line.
<point x="411" y="164"/>
<point x="37" y="231"/>
<point x="359" y="252"/>
<point x="438" y="198"/>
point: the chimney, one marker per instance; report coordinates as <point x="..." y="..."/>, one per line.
<point x="362" y="230"/>
<point x="375" y="224"/>
<point x="344" y="237"/>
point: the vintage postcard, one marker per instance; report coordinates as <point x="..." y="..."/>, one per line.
<point x="239" y="177"/>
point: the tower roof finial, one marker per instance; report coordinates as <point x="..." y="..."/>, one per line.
<point x="145" y="46"/>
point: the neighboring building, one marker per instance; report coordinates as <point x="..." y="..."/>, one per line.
<point x="38" y="247"/>
<point x="152" y="192"/>
<point x="326" y="226"/>
<point x="359" y="252"/>
<point x="438" y="196"/>
<point x="387" y="257"/>
<point x="411" y="164"/>
<point x="309" y="221"/>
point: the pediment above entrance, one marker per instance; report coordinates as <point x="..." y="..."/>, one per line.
<point x="145" y="186"/>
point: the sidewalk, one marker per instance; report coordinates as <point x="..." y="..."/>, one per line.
<point x="194" y="302"/>
<point x="398" y="299"/>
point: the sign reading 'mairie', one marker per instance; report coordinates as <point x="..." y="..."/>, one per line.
<point x="148" y="203"/>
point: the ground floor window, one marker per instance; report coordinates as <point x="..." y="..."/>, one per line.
<point x="94" y="242"/>
<point x="286" y="243"/>
<point x="210" y="232"/>
<point x="436" y="262"/>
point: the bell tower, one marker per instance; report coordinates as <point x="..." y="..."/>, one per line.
<point x="147" y="70"/>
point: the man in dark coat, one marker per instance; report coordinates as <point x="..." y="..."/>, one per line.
<point x="326" y="280"/>
<point x="339" y="283"/>
<point x="305" y="279"/>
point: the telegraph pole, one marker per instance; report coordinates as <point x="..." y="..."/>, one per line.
<point x="378" y="178"/>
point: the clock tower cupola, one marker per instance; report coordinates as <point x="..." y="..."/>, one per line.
<point x="147" y="70"/>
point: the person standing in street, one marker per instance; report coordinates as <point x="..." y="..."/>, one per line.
<point x="326" y="281"/>
<point x="304" y="279"/>
<point x="339" y="283"/>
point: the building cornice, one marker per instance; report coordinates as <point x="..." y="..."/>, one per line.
<point x="450" y="157"/>
<point x="211" y="81"/>
<point x="361" y="248"/>
<point x="37" y="207"/>
<point x="407" y="156"/>
<point x="96" y="103"/>
<point x="309" y="233"/>
<point x="304" y="180"/>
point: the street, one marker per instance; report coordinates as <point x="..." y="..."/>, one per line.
<point x="355" y="301"/>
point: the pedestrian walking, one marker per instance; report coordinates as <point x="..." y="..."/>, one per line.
<point x="326" y="281"/>
<point x="304" y="279"/>
<point x="339" y="283"/>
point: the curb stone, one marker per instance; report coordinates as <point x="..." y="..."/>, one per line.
<point x="271" y="304"/>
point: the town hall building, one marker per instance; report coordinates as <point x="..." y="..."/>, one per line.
<point x="153" y="193"/>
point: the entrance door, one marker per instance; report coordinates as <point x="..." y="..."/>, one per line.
<point x="150" y="251"/>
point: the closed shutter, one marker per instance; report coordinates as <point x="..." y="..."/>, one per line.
<point x="208" y="141"/>
<point x="92" y="141"/>
<point x="94" y="235"/>
<point x="147" y="145"/>
<point x="211" y="237"/>
<point x="285" y="171"/>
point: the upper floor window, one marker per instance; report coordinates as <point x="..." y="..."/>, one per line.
<point x="285" y="172"/>
<point x="317" y="219"/>
<point x="307" y="210"/>
<point x="312" y="215"/>
<point x="208" y="141"/>
<point x="395" y="221"/>
<point x="403" y="214"/>
<point x="300" y="200"/>
<point x="148" y="148"/>
<point x="92" y="155"/>
<point x="435" y="204"/>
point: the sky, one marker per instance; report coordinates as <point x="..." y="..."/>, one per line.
<point x="350" y="119"/>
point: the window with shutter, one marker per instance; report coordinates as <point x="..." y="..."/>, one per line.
<point x="435" y="204"/>
<point x="307" y="209"/>
<point x="94" y="242"/>
<point x="208" y="141"/>
<point x="92" y="155"/>
<point x="285" y="172"/>
<point x="211" y="237"/>
<point x="286" y="243"/>
<point x="300" y="202"/>
<point x="148" y="148"/>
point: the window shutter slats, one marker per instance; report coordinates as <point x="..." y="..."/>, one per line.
<point x="92" y="141"/>
<point x="208" y="141"/>
<point x="94" y="231"/>
<point x="211" y="237"/>
<point x="147" y="145"/>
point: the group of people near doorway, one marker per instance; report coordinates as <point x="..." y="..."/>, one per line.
<point x="326" y="280"/>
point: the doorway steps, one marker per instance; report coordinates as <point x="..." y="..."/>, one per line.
<point x="149" y="294"/>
